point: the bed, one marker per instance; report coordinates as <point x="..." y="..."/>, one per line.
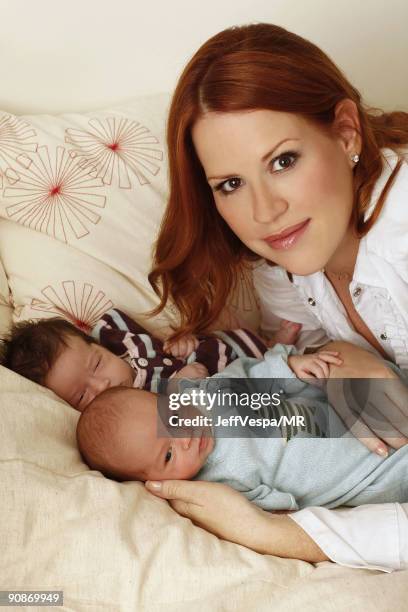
<point x="81" y="198"/>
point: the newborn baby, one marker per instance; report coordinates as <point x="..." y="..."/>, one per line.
<point x="118" y="435"/>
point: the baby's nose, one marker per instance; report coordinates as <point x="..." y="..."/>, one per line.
<point x="184" y="443"/>
<point x="100" y="384"/>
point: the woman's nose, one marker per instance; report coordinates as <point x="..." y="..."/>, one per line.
<point x="267" y="205"/>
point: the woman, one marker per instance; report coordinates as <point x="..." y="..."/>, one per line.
<point x="275" y="160"/>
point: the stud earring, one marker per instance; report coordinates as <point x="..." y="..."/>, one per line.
<point x="355" y="158"/>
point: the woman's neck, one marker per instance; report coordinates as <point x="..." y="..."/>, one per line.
<point x="341" y="264"/>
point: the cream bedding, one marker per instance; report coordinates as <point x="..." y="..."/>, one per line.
<point x="112" y="546"/>
<point x="5" y="306"/>
<point x="81" y="198"/>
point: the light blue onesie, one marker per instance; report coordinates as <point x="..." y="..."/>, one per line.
<point x="276" y="473"/>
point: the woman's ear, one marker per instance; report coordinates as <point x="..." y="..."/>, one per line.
<point x="346" y="126"/>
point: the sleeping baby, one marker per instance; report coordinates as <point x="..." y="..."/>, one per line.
<point x="118" y="435"/>
<point x="77" y="366"/>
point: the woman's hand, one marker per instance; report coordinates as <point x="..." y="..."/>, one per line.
<point x="229" y="515"/>
<point x="374" y="410"/>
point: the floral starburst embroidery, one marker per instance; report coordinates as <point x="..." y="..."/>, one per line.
<point x="117" y="148"/>
<point x="55" y="195"/>
<point x="80" y="303"/>
<point x="4" y="301"/>
<point x="17" y="139"/>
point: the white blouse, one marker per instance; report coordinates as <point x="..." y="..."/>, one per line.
<point x="371" y="536"/>
<point x="379" y="288"/>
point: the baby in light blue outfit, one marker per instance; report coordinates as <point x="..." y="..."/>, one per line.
<point x="296" y="466"/>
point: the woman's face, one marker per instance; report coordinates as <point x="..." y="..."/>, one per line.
<point x="283" y="185"/>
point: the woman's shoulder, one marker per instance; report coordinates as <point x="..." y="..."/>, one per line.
<point x="388" y="236"/>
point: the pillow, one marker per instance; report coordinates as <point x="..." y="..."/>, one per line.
<point x="112" y="546"/>
<point x="5" y="305"/>
<point x="108" y="546"/>
<point x="81" y="199"/>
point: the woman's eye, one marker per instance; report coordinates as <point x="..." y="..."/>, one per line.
<point x="284" y="161"/>
<point x="168" y="456"/>
<point x="229" y="186"/>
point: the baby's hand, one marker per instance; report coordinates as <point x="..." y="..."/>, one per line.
<point x="287" y="333"/>
<point x="192" y="370"/>
<point x="181" y="348"/>
<point x="315" y="365"/>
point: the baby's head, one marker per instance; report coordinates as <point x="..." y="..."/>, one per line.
<point x="56" y="354"/>
<point x="117" y="435"/>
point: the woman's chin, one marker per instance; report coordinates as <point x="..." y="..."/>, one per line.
<point x="301" y="266"/>
<point x="304" y="268"/>
<point x="296" y="260"/>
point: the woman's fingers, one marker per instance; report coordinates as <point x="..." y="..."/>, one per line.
<point x="397" y="392"/>
<point x="219" y="509"/>
<point x="388" y="399"/>
<point x="341" y="401"/>
<point x="367" y="437"/>
<point x="376" y="417"/>
<point x="383" y="425"/>
<point x="396" y="442"/>
<point x="183" y="495"/>
<point x="182" y="490"/>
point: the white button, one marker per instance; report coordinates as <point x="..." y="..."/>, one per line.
<point x="311" y="301"/>
<point x="357" y="291"/>
<point x="142" y="362"/>
<point x="167" y="361"/>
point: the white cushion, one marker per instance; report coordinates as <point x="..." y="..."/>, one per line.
<point x="112" y="546"/>
<point x="81" y="199"/>
<point x="5" y="305"/>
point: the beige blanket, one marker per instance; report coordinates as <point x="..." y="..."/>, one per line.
<point x="115" y="547"/>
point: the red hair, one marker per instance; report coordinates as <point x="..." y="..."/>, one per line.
<point x="262" y="66"/>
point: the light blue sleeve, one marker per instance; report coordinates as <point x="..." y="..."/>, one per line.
<point x="271" y="499"/>
<point x="274" y="364"/>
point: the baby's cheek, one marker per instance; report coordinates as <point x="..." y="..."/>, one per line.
<point x="187" y="471"/>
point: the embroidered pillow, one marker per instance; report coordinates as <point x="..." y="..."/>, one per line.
<point x="81" y="199"/>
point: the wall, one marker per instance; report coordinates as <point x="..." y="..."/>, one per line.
<point x="80" y="54"/>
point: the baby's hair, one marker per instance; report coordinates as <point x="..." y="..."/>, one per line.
<point x="98" y="429"/>
<point x="32" y="347"/>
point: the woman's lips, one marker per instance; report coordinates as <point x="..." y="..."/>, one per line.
<point x="285" y="240"/>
